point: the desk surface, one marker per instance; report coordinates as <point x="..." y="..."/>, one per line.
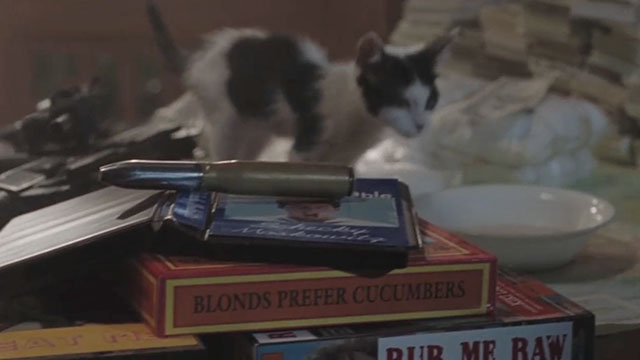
<point x="605" y="277"/>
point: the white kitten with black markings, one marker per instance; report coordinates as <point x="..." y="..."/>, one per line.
<point x="253" y="85"/>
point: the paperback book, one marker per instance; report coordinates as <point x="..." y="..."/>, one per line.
<point x="98" y="341"/>
<point x="377" y="224"/>
<point x="531" y="321"/>
<point x="84" y="318"/>
<point x="193" y="295"/>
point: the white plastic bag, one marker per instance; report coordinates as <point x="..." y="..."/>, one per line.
<point x="512" y="130"/>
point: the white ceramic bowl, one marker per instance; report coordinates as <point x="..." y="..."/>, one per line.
<point x="527" y="227"/>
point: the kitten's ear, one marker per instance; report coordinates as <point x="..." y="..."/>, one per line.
<point x="370" y="48"/>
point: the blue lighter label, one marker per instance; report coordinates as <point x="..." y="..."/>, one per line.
<point x="192" y="209"/>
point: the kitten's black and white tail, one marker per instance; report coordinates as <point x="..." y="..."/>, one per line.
<point x="175" y="57"/>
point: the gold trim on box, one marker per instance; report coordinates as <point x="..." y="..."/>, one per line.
<point x="461" y="250"/>
<point x="171" y="284"/>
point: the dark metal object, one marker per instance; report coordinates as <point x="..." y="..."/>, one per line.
<point x="60" y="147"/>
<point x="138" y="174"/>
<point x="67" y="122"/>
<point x="74" y="222"/>
<point x="234" y="177"/>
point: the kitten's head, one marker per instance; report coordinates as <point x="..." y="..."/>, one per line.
<point x="398" y="83"/>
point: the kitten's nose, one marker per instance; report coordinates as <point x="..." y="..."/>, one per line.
<point x="419" y="127"/>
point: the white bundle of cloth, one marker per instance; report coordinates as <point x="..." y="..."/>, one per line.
<point x="507" y="130"/>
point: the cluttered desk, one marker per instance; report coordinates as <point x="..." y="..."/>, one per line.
<point x="201" y="255"/>
<point x="198" y="300"/>
<point x="489" y="212"/>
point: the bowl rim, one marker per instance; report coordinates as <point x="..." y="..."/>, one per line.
<point x="550" y="235"/>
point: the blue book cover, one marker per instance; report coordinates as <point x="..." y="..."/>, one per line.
<point x="378" y="214"/>
<point x="192" y="209"/>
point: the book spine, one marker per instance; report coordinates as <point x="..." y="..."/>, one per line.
<point x="280" y="301"/>
<point x="92" y="341"/>
<point x="144" y="291"/>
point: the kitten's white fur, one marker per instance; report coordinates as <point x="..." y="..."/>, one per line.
<point x="409" y="123"/>
<point x="348" y="129"/>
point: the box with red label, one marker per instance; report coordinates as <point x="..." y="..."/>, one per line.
<point x="531" y="321"/>
<point x="188" y="295"/>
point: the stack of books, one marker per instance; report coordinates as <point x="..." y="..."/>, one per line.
<point x="632" y="100"/>
<point x="615" y="55"/>
<point x="215" y="284"/>
<point x="503" y="30"/>
<point x="191" y="295"/>
<point x="614" y="42"/>
<point x="618" y="11"/>
<point x="593" y="46"/>
<point x="579" y="81"/>
<point x="551" y="33"/>
<point x="425" y="21"/>
<point x="530" y="321"/>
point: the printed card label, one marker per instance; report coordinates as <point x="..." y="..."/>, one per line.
<point x="528" y="342"/>
<point x="192" y="209"/>
<point x="373" y="216"/>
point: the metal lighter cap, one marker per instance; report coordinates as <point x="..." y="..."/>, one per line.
<point x="234" y="177"/>
<point x="147" y="174"/>
<point x="279" y="178"/>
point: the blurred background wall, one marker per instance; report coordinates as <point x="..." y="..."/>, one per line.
<point x="48" y="44"/>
